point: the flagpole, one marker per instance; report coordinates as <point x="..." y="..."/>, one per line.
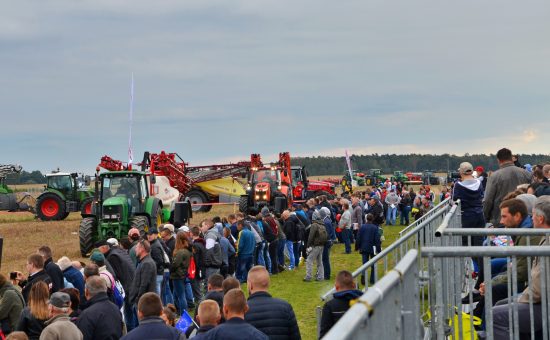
<point x="130" y="119"/>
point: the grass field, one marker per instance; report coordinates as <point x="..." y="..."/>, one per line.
<point x="22" y="235"/>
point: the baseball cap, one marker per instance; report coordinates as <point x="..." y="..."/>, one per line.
<point x="97" y="257"/>
<point x="60" y="300"/>
<point x="479" y="169"/>
<point x="152" y="231"/>
<point x="113" y="242"/>
<point x="466" y="168"/>
<point x="184" y="228"/>
<point x="133" y="231"/>
<point x="168" y="226"/>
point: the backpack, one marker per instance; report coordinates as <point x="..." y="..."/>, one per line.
<point x="115" y="292"/>
<point x="192" y="269"/>
<point x="323" y="234"/>
<point x="301" y="229"/>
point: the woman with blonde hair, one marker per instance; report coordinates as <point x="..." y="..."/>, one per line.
<point x="36" y="313"/>
<point x="178" y="272"/>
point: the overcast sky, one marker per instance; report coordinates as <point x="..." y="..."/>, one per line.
<point x="218" y="80"/>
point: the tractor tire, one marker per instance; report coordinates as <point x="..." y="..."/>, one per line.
<point x="243" y="204"/>
<point x="197" y="196"/>
<point x="87" y="234"/>
<point x="86" y="206"/>
<point x="50" y="207"/>
<point x="141" y="223"/>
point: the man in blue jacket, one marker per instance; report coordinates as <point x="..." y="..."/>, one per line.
<point x="245" y="251"/>
<point x="151" y="325"/>
<point x="368" y="243"/>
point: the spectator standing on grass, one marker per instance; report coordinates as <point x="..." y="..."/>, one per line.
<point x="168" y="238"/>
<point x="178" y="273"/>
<point x="345" y="226"/>
<point x="500" y="183"/>
<point x="133" y="237"/>
<point x="102" y="318"/>
<point x="72" y="275"/>
<point x="368" y="244"/>
<point x="541" y="219"/>
<point x="292" y="240"/>
<point x="316" y="241"/>
<point x="213" y="257"/>
<point x="325" y="216"/>
<point x="235" y="328"/>
<point x="151" y="325"/>
<point x="346" y="292"/>
<point x="406" y="205"/>
<point x="356" y="216"/>
<point x="273" y="317"/>
<point x="231" y="258"/>
<point x="59" y="326"/>
<point x="34" y="316"/>
<point x="271" y="236"/>
<point x="199" y="253"/>
<point x="35" y="267"/>
<point x="11" y="305"/>
<point x="146" y="272"/>
<point x="228" y="251"/>
<point x="392" y="200"/>
<point x="162" y="263"/>
<point x="245" y="251"/>
<point x="52" y="269"/>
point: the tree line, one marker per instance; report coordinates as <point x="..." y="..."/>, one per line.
<point x="388" y="163"/>
<point x="24" y="177"/>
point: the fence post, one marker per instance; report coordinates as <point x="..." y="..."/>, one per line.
<point x="1" y="250"/>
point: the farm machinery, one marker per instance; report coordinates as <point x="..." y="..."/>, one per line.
<point x="122" y="200"/>
<point x="268" y="185"/>
<point x="64" y="193"/>
<point x="303" y="188"/>
<point x="374" y="177"/>
<point x="8" y="198"/>
<point x="399" y="176"/>
<point x="429" y="178"/>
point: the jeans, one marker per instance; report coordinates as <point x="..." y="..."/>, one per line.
<point x="501" y="326"/>
<point x="272" y="249"/>
<point x="179" y="295"/>
<point x="326" y="259"/>
<point x="316" y="255"/>
<point x="267" y="258"/>
<point x="297" y="246"/>
<point x="189" y="292"/>
<point x="346" y="235"/>
<point x="365" y="258"/>
<point x="391" y="215"/>
<point x="130" y="316"/>
<point x="281" y="252"/>
<point x="166" y="296"/>
<point x="405" y="215"/>
<point x="290" y="248"/>
<point x="260" y="260"/>
<point x="159" y="284"/>
<point x="196" y="287"/>
<point x="245" y="263"/>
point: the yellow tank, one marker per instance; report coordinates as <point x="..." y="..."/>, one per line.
<point x="223" y="186"/>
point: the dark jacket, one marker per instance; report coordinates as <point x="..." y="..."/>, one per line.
<point x="180" y="264"/>
<point x="56" y="275"/>
<point x="235" y="329"/>
<point x="378" y="212"/>
<point x="169" y="246"/>
<point x="202" y="332"/>
<point x="31" y="280"/>
<point x="470" y="193"/>
<point x="157" y="254"/>
<point x="30" y="325"/>
<point x="145" y="279"/>
<point x="274" y="317"/>
<point x="101" y="320"/>
<point x="153" y="327"/>
<point x="290" y="229"/>
<point x="199" y="252"/>
<point x="75" y="277"/>
<point x="123" y="266"/>
<point x="11" y="304"/>
<point x="367" y="238"/>
<point x="335" y="308"/>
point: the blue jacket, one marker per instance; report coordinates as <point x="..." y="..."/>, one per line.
<point x="235" y="329"/>
<point x="227" y="250"/>
<point x="367" y="238"/>
<point x="330" y="228"/>
<point x="153" y="327"/>
<point x="247" y="243"/>
<point x="470" y="194"/>
<point x="75" y="277"/>
<point x="527" y="222"/>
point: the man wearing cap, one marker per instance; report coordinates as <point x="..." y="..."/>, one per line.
<point x="501" y="182"/>
<point x="481" y="175"/>
<point x="133" y="237"/>
<point x="60" y="326"/>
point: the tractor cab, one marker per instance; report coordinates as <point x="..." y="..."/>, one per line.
<point x="65" y="183"/>
<point x="264" y="183"/>
<point x="122" y="194"/>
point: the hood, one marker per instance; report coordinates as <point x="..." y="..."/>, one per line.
<point x="348" y="294"/>
<point x="471" y="184"/>
<point x="527" y="222"/>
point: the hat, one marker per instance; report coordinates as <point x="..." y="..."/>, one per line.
<point x="113" y="242"/>
<point x="265" y="211"/>
<point x="152" y="231"/>
<point x="101" y="243"/>
<point x="466" y="168"/>
<point x="184" y="228"/>
<point x="479" y="169"/>
<point x="133" y="231"/>
<point x="97" y="256"/>
<point x="60" y="300"/>
<point x="169" y="227"/>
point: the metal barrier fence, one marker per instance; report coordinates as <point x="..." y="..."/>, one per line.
<point x="388" y="310"/>
<point x="442" y="205"/>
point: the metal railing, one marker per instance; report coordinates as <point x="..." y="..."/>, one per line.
<point x="442" y="205"/>
<point x="388" y="310"/>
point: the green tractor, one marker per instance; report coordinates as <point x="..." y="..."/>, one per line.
<point x="65" y="193"/>
<point x="398" y="176"/>
<point x="122" y="202"/>
<point x="375" y="177"/>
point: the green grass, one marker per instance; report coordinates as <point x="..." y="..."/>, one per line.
<point x="305" y="296"/>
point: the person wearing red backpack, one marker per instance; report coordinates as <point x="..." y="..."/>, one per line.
<point x="179" y="271"/>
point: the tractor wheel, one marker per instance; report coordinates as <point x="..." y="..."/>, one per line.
<point x="141" y="223"/>
<point x="50" y="207"/>
<point x="243" y="204"/>
<point x="198" y="197"/>
<point x="87" y="233"/>
<point x="86" y="206"/>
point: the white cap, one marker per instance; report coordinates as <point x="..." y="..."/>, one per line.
<point x="184" y="229"/>
<point x="113" y="242"/>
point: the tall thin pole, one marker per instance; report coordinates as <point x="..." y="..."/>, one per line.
<point x="130" y="118"/>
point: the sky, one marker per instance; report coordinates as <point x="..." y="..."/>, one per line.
<point x="216" y="81"/>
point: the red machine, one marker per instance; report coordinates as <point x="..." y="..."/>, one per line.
<point x="304" y="189"/>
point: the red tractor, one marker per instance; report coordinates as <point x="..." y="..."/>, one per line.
<point x="304" y="189"/>
<point x="269" y="186"/>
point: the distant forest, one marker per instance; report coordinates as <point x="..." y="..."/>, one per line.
<point x="321" y="165"/>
